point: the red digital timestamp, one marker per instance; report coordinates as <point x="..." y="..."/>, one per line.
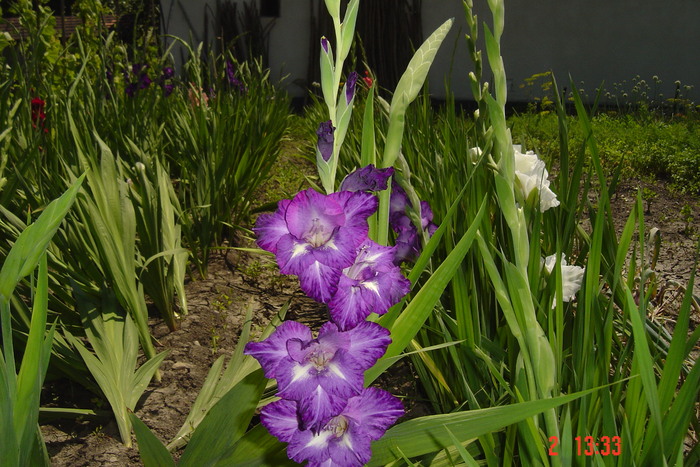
<point x="589" y="446"/>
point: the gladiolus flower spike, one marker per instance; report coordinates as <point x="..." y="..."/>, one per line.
<point x="316" y="236"/>
<point x="325" y="414"/>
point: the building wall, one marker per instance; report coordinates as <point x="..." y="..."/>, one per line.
<point x="591" y="40"/>
<point x="289" y="37"/>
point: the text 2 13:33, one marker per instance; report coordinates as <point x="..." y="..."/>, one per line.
<point x="588" y="446"/>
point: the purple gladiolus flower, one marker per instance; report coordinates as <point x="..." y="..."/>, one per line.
<point x="343" y="438"/>
<point x="319" y="374"/>
<point x="315" y="236"/>
<point x="325" y="139"/>
<point x="324" y="44"/>
<point x="168" y="73"/>
<point x="371" y="285"/>
<point x="367" y="178"/>
<point x="350" y="87"/>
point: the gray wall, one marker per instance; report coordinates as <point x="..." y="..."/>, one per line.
<point x="289" y="37"/>
<point x="592" y="40"/>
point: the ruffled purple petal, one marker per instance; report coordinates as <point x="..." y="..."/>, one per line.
<point x="351" y="449"/>
<point x="392" y="287"/>
<point x="293" y="256"/>
<point x="271" y="351"/>
<point x="307" y="446"/>
<point x="374" y="255"/>
<point x="367" y="178"/>
<point x="358" y="206"/>
<point x="352" y="303"/>
<point x="368" y="342"/>
<point x="319" y="281"/>
<point x="319" y="406"/>
<point x="269" y="228"/>
<point x="330" y="335"/>
<point x="339" y="252"/>
<point x="312" y="214"/>
<point x="281" y="419"/>
<point x="341" y="377"/>
<point x="374" y="411"/>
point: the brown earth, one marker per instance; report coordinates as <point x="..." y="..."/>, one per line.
<point x="216" y="309"/>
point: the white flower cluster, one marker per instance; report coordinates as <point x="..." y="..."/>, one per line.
<point x="531" y="174"/>
<point x="571" y="277"/>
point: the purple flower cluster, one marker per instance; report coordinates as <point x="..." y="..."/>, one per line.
<point x="137" y="79"/>
<point x="325" y="414"/>
<point x="408" y="237"/>
<point x="233" y="82"/>
<point x="323" y="240"/>
<point x="166" y="81"/>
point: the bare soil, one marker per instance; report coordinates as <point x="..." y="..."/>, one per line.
<point x="217" y="306"/>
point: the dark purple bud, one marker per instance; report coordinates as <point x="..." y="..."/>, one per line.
<point x="367" y="178"/>
<point x="167" y="73"/>
<point x="426" y="218"/>
<point x="136" y="68"/>
<point x="408" y="245"/>
<point x="325" y="139"/>
<point x="168" y="89"/>
<point x="230" y="74"/>
<point x="144" y="81"/>
<point x="350" y="87"/>
<point x="324" y="44"/>
<point x="109" y="74"/>
<point x="131" y="89"/>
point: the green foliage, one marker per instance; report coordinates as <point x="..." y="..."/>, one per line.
<point x="667" y="150"/>
<point x="114" y="339"/>
<point x="20" y="392"/>
<point x="219" y="170"/>
<point x="500" y="333"/>
<point x="147" y="205"/>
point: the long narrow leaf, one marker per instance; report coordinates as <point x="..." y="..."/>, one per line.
<point x="410" y="321"/>
<point x="153" y="452"/>
<point x="427" y="434"/>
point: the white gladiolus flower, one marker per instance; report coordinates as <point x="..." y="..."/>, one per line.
<point x="571" y="277"/>
<point x="531" y="174"/>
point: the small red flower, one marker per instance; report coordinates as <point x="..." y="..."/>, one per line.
<point x="368" y="79"/>
<point x="38" y="115"/>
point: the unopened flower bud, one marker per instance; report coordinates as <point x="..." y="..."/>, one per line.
<point x="325" y="139"/>
<point x="350" y="87"/>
